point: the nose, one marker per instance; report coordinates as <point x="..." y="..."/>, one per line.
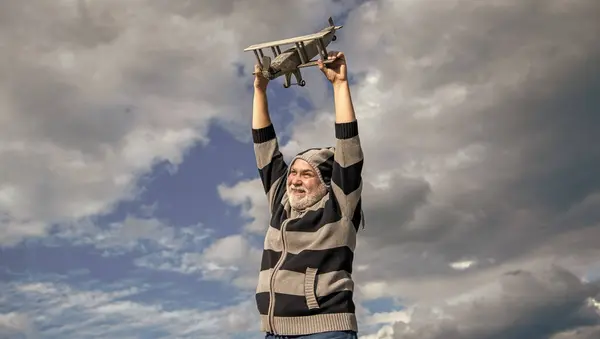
<point x="293" y="179"/>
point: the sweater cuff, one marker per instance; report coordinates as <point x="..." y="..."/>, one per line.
<point x="263" y="134"/>
<point x="346" y="130"/>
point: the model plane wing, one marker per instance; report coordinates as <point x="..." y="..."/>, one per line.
<point x="314" y="63"/>
<point x="287" y="41"/>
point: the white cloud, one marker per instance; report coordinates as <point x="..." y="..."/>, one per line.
<point x="389" y="317"/>
<point x="134" y="233"/>
<point x="249" y="194"/>
<point x="100" y="313"/>
<point x="386" y="332"/>
<point x="13" y="324"/>
<point x="463" y="265"/>
<point x="230" y="259"/>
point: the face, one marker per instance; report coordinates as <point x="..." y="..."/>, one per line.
<point x="303" y="185"/>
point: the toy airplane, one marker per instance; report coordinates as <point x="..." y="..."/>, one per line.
<point x="291" y="60"/>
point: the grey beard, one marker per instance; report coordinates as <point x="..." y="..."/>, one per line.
<point x="308" y="199"/>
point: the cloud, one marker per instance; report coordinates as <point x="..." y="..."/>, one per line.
<point x="470" y="152"/>
<point x="94" y="95"/>
<point x="520" y="305"/>
<point x="249" y="195"/>
<point x="64" y="311"/>
<point x="584" y="332"/>
<point x="13" y="324"/>
<point x="87" y="111"/>
<point x="133" y="234"/>
<point x="230" y="259"/>
<point x="386" y="332"/>
<point x="476" y="122"/>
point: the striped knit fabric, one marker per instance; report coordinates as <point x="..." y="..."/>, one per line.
<point x="305" y="283"/>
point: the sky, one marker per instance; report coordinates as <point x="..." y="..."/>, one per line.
<point x="130" y="205"/>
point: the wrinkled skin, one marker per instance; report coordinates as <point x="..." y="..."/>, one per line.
<point x="304" y="187"/>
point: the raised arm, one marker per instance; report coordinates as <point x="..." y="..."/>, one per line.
<point x="269" y="160"/>
<point x="346" y="179"/>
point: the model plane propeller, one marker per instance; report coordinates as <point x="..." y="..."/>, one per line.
<point x="291" y="60"/>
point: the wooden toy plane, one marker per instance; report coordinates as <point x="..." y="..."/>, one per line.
<point x="291" y="60"/>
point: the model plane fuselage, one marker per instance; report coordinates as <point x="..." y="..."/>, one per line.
<point x="291" y="60"/>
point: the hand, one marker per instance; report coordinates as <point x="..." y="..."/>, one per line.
<point x="260" y="82"/>
<point x="336" y="71"/>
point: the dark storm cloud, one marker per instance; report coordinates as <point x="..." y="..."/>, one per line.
<point x="524" y="74"/>
<point x="481" y="115"/>
<point x="478" y="124"/>
<point x="523" y="304"/>
<point x="584" y="332"/>
<point x="532" y="176"/>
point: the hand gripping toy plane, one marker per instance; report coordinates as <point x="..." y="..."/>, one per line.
<point x="293" y="59"/>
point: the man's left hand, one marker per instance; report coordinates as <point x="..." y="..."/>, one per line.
<point x="335" y="71"/>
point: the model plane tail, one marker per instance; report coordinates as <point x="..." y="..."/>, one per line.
<point x="332" y="25"/>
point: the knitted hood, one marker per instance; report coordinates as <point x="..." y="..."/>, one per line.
<point x="321" y="160"/>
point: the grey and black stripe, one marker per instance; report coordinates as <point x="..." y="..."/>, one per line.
<point x="305" y="283"/>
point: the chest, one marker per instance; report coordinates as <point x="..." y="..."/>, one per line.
<point x="323" y="213"/>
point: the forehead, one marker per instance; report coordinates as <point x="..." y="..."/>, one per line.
<point x="302" y="165"/>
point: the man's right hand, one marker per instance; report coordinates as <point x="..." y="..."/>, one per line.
<point x="260" y="109"/>
<point x="260" y="82"/>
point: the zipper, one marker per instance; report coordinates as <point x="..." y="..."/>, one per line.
<point x="272" y="282"/>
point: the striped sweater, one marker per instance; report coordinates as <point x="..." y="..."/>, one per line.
<point x="305" y="284"/>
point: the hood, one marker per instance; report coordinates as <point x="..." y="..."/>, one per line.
<point x="321" y="160"/>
